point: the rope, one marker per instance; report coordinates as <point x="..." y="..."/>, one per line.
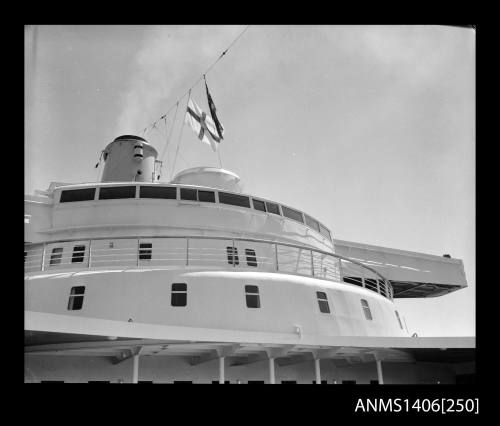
<point x="171" y="131"/>
<point x="202" y="76"/>
<point x="180" y="140"/>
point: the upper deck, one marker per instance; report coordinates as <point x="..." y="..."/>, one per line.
<point x="112" y="209"/>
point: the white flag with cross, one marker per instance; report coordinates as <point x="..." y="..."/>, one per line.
<point x="202" y="124"/>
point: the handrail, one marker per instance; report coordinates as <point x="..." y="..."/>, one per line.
<point x="378" y="284"/>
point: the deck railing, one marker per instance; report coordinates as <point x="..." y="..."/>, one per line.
<point x="211" y="252"/>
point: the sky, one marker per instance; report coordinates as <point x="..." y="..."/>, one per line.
<point x="369" y="129"/>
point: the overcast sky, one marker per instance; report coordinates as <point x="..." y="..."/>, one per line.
<point x="370" y="129"/>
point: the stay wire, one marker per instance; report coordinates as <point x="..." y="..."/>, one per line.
<point x="203" y="75"/>
<point x="171" y="131"/>
<point x="180" y="140"/>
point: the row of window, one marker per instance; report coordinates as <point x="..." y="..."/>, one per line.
<point x="191" y="194"/>
<point x="252" y="298"/>
<point x="146" y="253"/>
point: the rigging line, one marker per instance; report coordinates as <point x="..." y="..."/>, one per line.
<point x="180" y="139"/>
<point x="169" y="136"/>
<point x="209" y="68"/>
<point x="218" y="154"/>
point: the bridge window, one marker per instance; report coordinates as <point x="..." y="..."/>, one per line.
<point x="325" y="232"/>
<point x="179" y="294"/>
<point x="188" y="194"/>
<point x="232" y="255"/>
<point x="164" y="192"/>
<point x="206" y="196"/>
<point x="145" y="251"/>
<point x="366" y="309"/>
<point x="292" y="214"/>
<point x="323" y="302"/>
<point x="252" y="296"/>
<point x="71" y="195"/>
<point x="56" y="256"/>
<point x="75" y="302"/>
<point x="251" y="257"/>
<point x="234" y="199"/>
<point x="312" y="223"/>
<point x="353" y="280"/>
<point x="273" y="208"/>
<point x="399" y="319"/>
<point x="78" y="254"/>
<point x="115" y="192"/>
<point x="259" y="205"/>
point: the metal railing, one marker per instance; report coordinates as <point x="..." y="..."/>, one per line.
<point x="211" y="252"/>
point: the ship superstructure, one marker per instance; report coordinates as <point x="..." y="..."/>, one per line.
<point x="133" y="279"/>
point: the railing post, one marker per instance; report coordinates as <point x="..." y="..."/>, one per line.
<point x="90" y="253"/>
<point x="234" y="257"/>
<point x="341" y="275"/>
<point x="276" y="255"/>
<point x="187" y="251"/>
<point x="378" y="285"/>
<point x="312" y="264"/>
<point x="43" y="256"/>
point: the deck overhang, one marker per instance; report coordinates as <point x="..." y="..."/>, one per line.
<point x="411" y="274"/>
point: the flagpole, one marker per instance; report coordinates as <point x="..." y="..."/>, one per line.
<point x="180" y="138"/>
<point x="220" y="162"/>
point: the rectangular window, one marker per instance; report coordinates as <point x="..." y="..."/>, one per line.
<point x="325" y="232"/>
<point x="259" y="205"/>
<point x="78" y="254"/>
<point x="323" y="302"/>
<point x="232" y="255"/>
<point x="251" y="257"/>
<point x="206" y="196"/>
<point x="116" y="192"/>
<point x="252" y="296"/>
<point x="234" y="199"/>
<point x="25" y="254"/>
<point x="164" y="192"/>
<point x="312" y="223"/>
<point x="292" y="214"/>
<point x="273" y="208"/>
<point x="366" y="309"/>
<point x="399" y="319"/>
<point x="145" y="251"/>
<point x="179" y="294"/>
<point x="75" y="302"/>
<point x="353" y="280"/>
<point x="188" y="194"/>
<point x="71" y="195"/>
<point x="56" y="256"/>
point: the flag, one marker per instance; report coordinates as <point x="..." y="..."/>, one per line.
<point x="211" y="105"/>
<point x="201" y="124"/>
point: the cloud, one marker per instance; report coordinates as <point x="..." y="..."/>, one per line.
<point x="171" y="60"/>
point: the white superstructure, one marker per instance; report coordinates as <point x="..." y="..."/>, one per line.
<point x="196" y="269"/>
